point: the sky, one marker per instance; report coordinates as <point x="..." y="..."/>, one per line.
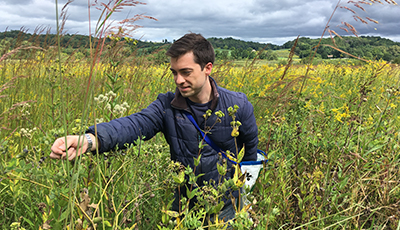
<point x="265" y="21"/>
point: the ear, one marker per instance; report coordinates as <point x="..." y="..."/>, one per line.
<point x="208" y="68"/>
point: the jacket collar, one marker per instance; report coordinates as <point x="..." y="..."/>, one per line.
<point x="179" y="102"/>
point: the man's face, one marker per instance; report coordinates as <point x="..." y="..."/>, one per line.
<point x="191" y="80"/>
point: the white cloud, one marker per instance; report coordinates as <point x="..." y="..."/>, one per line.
<point x="275" y="21"/>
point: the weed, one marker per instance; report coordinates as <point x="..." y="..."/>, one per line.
<point x="331" y="135"/>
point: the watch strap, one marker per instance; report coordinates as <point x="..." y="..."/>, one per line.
<point x="90" y="143"/>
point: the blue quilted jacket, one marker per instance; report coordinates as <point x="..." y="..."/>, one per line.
<point x="166" y="115"/>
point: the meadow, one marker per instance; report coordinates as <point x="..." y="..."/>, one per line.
<point x="330" y="129"/>
<point x="331" y="132"/>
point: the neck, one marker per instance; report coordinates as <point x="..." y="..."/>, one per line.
<point x="205" y="96"/>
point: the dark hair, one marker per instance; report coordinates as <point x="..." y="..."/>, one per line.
<point x="202" y="49"/>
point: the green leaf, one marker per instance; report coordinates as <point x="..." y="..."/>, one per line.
<point x="107" y="223"/>
<point x="64" y="215"/>
<point x="171" y="213"/>
<point x="222" y="169"/>
<point x="202" y="144"/>
<point x="197" y="161"/>
<point x="18" y="170"/>
<point x="219" y="207"/>
<point x="97" y="220"/>
<point x="109" y="86"/>
<point x="343" y="183"/>
<point x="28" y="221"/>
<point x="240" y="156"/>
<point x="191" y="194"/>
<point x="164" y="219"/>
<point x="110" y="77"/>
<point x="180" y="178"/>
<point x="375" y="148"/>
<point x="117" y="88"/>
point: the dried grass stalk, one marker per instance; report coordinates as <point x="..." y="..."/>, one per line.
<point x="6" y="55"/>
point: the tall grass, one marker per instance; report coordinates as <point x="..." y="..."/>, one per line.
<point x="331" y="132"/>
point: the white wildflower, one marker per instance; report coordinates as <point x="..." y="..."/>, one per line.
<point x="119" y="109"/>
<point x="99" y="120"/>
<point x="108" y="106"/>
<point x="101" y="98"/>
<point x="27" y="132"/>
<point x="23" y="131"/>
<point x="111" y="94"/>
<point x="125" y="105"/>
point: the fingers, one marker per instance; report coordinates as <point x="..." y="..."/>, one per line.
<point x="58" y="146"/>
<point x="55" y="156"/>
<point x="58" y="150"/>
<point x="72" y="153"/>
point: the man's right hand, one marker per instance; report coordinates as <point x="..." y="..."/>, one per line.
<point x="76" y="145"/>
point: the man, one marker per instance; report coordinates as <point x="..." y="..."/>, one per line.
<point x="191" y="58"/>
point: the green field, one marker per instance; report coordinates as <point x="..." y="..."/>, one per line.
<point x="330" y="128"/>
<point x="331" y="134"/>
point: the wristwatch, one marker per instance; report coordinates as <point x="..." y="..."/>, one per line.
<point x="90" y="143"/>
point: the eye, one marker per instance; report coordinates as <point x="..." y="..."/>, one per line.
<point x="186" y="72"/>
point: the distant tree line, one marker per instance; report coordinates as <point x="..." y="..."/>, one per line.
<point x="230" y="43"/>
<point x="225" y="48"/>
<point x="367" y="47"/>
<point x="44" y="40"/>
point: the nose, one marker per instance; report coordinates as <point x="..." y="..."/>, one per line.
<point x="179" y="79"/>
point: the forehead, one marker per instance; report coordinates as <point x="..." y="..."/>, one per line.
<point x="184" y="61"/>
